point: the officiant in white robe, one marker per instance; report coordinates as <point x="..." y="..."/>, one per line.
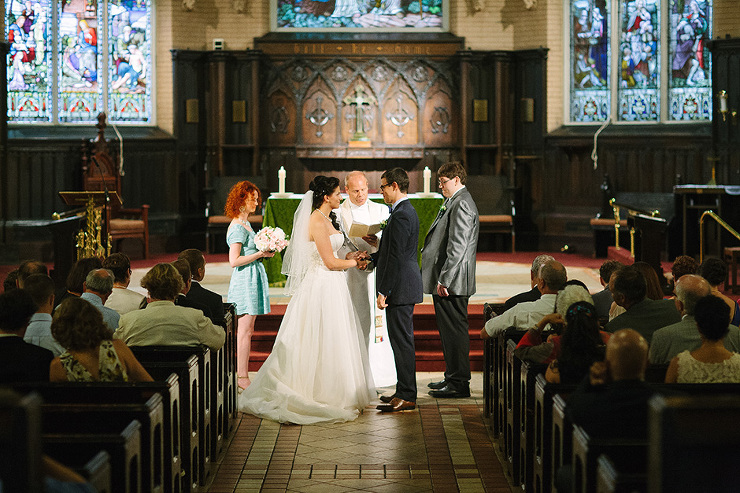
<point x="359" y="209"/>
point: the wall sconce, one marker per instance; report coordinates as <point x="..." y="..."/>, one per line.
<point x="723" y="104"/>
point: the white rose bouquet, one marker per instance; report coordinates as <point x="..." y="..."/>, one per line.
<point x="270" y="239"/>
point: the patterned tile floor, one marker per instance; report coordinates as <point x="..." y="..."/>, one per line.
<point x="442" y="446"/>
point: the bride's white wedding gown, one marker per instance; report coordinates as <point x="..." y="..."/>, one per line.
<point x="318" y="369"/>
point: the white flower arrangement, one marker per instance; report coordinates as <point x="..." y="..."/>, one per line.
<point x="270" y="239"/>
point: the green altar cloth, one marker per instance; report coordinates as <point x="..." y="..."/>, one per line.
<point x="279" y="212"/>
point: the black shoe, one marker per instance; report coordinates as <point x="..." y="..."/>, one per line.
<point x="385" y="399"/>
<point x="450" y="392"/>
<point x="437" y="385"/>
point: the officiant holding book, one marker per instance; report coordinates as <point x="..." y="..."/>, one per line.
<point x="357" y="209"/>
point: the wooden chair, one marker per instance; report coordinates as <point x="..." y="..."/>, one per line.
<point x="100" y="171"/>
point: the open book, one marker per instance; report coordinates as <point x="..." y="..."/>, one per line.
<point x="358" y="230"/>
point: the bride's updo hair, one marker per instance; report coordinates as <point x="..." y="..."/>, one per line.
<point x="321" y="186"/>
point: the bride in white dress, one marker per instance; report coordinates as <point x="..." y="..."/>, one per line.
<point x="318" y="369"/>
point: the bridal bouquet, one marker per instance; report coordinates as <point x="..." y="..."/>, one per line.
<point x="270" y="239"/>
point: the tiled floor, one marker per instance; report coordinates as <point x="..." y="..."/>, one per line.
<point x="442" y="446"/>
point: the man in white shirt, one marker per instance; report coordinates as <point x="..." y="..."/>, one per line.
<point x="122" y="299"/>
<point x="358" y="208"/>
<point x="552" y="278"/>
<point x="38" y="332"/>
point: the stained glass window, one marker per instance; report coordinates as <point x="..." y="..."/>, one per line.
<point x="590" y="96"/>
<point x="690" y="77"/>
<point x="621" y="75"/>
<point x="99" y="60"/>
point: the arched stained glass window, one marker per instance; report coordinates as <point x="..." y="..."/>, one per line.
<point x="71" y="59"/>
<point x="590" y="95"/>
<point x="690" y="77"/>
<point x="653" y="67"/>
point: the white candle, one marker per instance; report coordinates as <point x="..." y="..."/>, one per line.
<point x="427" y="179"/>
<point x="281" y="180"/>
<point x="723" y="101"/>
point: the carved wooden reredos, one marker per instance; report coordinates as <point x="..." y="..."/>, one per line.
<point x="408" y="103"/>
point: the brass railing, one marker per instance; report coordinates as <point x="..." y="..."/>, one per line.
<point x="721" y="222"/>
<point x="631" y="211"/>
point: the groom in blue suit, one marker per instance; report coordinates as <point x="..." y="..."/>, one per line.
<point x="398" y="283"/>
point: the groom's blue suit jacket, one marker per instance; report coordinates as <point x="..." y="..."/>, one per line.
<point x="397" y="269"/>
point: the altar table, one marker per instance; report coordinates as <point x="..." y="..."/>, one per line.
<point x="279" y="212"/>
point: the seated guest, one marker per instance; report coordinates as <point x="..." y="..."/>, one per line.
<point x="603" y="299"/>
<point x="97" y="287"/>
<point x="122" y="299"/>
<point x="29" y="268"/>
<point x="714" y="270"/>
<point x="654" y="288"/>
<point x="551" y="279"/>
<point x="183" y="267"/>
<point x="534" y="293"/>
<point x="612" y="402"/>
<point x="76" y="278"/>
<point x="19" y="360"/>
<point x="681" y="266"/>
<point x="628" y="287"/>
<point x="570" y="354"/>
<point x="682" y="336"/>
<point x="214" y="301"/>
<point x="92" y="355"/>
<point x="711" y="362"/>
<point x="164" y="323"/>
<point x="10" y="281"/>
<point x="41" y="289"/>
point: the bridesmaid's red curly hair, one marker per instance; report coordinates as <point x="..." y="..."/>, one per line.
<point x="238" y="195"/>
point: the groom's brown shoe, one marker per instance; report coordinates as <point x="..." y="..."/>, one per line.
<point x="397" y="405"/>
<point x="385" y="399"/>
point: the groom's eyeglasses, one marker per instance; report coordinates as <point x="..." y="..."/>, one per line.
<point x="383" y="186"/>
<point x="443" y="183"/>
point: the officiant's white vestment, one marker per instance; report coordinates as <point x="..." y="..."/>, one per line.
<point x="362" y="290"/>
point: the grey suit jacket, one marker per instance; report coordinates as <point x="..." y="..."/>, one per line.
<point x="684" y="336"/>
<point x="448" y="256"/>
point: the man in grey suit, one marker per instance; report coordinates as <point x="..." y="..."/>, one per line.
<point x="684" y="335"/>
<point x="448" y="274"/>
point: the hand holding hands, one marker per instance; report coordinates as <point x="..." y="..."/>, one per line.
<point x="362" y="259"/>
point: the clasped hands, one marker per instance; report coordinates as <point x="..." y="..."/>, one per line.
<point x="362" y="258"/>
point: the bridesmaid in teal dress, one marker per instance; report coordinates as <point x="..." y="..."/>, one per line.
<point x="248" y="288"/>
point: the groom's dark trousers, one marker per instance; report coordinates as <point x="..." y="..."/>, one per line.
<point x="398" y="277"/>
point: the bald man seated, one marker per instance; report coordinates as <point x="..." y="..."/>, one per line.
<point x="613" y="401"/>
<point x="684" y="335"/>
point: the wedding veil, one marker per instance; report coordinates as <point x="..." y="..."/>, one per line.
<point x="297" y="256"/>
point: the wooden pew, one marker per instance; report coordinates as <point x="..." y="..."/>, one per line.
<point x="629" y="455"/>
<point x="94" y="393"/>
<point x="490" y="392"/>
<point x="207" y="394"/>
<point x="124" y="448"/>
<point x="231" y="392"/>
<point x="610" y="480"/>
<point x="562" y="435"/>
<point x="499" y="380"/>
<point x="20" y="439"/>
<point x="512" y="430"/>
<point x="189" y="430"/>
<point x="542" y="453"/>
<point x="526" y="406"/>
<point x="695" y="442"/>
<point x="103" y="417"/>
<point x="97" y="472"/>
